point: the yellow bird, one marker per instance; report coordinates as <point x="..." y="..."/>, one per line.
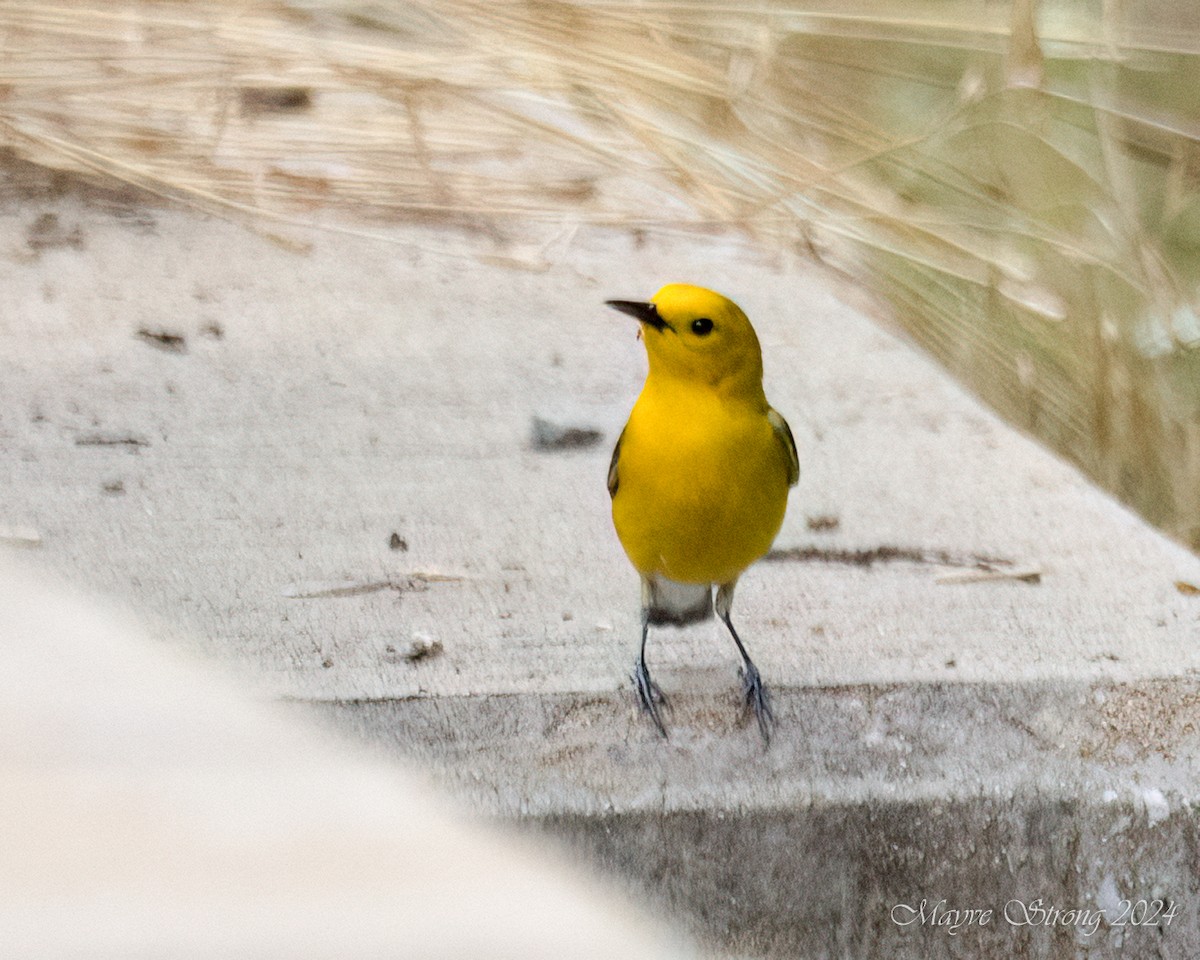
<point x="699" y="477"/>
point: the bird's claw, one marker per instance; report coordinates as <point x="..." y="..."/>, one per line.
<point x="758" y="699"/>
<point x="650" y="695"/>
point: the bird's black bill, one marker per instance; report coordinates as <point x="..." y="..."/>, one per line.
<point x="643" y="312"/>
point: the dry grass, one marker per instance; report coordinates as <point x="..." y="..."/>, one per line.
<point x="1019" y="183"/>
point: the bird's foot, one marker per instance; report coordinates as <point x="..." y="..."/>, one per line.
<point x="758" y="699"/>
<point x="651" y="697"/>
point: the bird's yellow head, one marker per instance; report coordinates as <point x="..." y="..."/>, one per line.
<point x="696" y="334"/>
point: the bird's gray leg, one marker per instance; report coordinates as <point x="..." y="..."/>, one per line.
<point x="649" y="694"/>
<point x="753" y="689"/>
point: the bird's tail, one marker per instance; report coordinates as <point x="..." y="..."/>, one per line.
<point x="665" y="601"/>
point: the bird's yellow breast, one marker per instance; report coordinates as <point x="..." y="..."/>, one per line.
<point x="703" y="483"/>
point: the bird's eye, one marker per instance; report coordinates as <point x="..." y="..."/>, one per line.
<point x="702" y="327"/>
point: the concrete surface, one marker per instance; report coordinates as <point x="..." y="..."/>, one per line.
<point x="330" y="481"/>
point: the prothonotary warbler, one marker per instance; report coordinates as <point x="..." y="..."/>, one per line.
<point x="700" y="475"/>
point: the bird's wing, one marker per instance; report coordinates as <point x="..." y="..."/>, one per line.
<point x="783" y="433"/>
<point x="612" y="466"/>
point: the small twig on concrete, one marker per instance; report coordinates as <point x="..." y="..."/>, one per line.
<point x="315" y="589"/>
<point x="311" y="589"/>
<point x="869" y="556"/>
<point x="968" y="568"/>
<point x="986" y="573"/>
<point x="110" y="440"/>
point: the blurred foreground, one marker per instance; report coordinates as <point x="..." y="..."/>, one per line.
<point x="150" y="809"/>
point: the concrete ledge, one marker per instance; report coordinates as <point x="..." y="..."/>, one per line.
<point x="325" y="470"/>
<point x="852" y="879"/>
<point x="871" y="800"/>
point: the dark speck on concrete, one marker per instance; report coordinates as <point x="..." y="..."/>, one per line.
<point x="163" y="339"/>
<point x="547" y="436"/>
<point x="47" y="232"/>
